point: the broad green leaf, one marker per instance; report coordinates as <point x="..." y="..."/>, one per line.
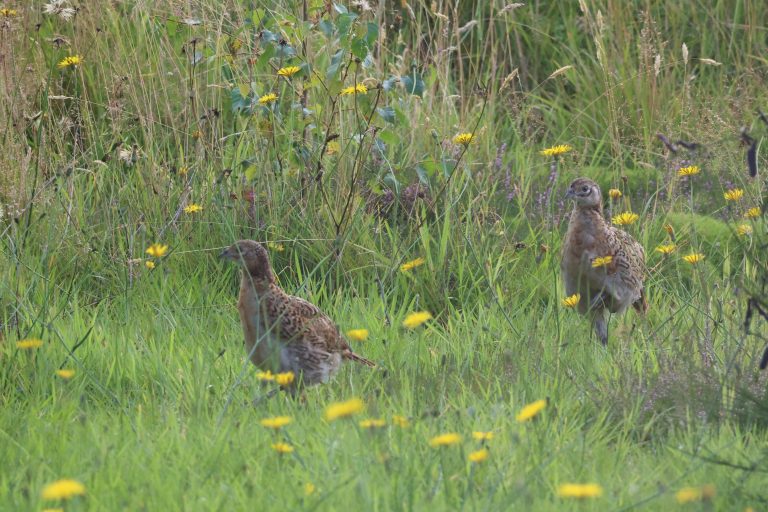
<point x="387" y="113"/>
<point x="413" y="83"/>
<point x="326" y="27"/>
<point x="389" y="137"/>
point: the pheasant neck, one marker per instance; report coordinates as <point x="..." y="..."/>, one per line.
<point x="592" y="215"/>
<point x="259" y="283"/>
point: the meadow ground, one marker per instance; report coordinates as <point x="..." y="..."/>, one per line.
<point x="306" y="125"/>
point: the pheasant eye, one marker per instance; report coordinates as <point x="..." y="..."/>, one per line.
<point x="585" y="188"/>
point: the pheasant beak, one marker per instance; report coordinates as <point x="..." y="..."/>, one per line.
<point x="224" y="255"/>
<point x="569" y="194"/>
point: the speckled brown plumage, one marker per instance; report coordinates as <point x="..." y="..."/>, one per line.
<point x="413" y="199"/>
<point x="285" y="333"/>
<point x="613" y="287"/>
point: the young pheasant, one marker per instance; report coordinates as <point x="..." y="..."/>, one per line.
<point x="282" y="332"/>
<point x="612" y="283"/>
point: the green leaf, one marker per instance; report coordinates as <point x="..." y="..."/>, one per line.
<point x="422" y="174"/>
<point x="268" y="36"/>
<point x="390" y="83"/>
<point x="391" y="180"/>
<point x="379" y="145"/>
<point x="326" y="27"/>
<point x="226" y="72"/>
<point x="387" y="114"/>
<point x="250" y="172"/>
<point x="389" y="137"/>
<point x="428" y="167"/>
<point x="257" y="17"/>
<point x="432" y="167"/>
<point x="359" y="48"/>
<point x="336" y="61"/>
<point x="269" y="52"/>
<point x="344" y="23"/>
<point x="372" y="34"/>
<point x="239" y="96"/>
<point x="285" y="51"/>
<point x="413" y="83"/>
<point x="171" y="27"/>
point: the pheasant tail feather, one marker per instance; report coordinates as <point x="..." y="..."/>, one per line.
<point x="348" y="354"/>
<point x="641" y="305"/>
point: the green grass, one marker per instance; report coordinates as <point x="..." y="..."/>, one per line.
<point x="159" y="413"/>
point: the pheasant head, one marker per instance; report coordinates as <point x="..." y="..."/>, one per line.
<point x="585" y="193"/>
<point x="253" y="257"/>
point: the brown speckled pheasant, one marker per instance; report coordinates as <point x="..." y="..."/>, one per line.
<point x="613" y="286"/>
<point x="282" y="332"/>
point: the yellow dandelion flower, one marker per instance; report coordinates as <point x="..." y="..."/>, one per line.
<point x="572" y="301"/>
<point x="72" y="60"/>
<point x="354" y="89"/>
<point x="602" y="261"/>
<point x="478" y="456"/>
<point x="694" y="257"/>
<point x="63" y="490"/>
<point x="8" y="13"/>
<point x="666" y="249"/>
<point x="285" y="379"/>
<point x="193" y="208"/>
<point x="183" y="170"/>
<point x="282" y="448"/>
<point x="234" y="45"/>
<point x="531" y="410"/>
<point x="464" y="139"/>
<point x="343" y="409"/>
<point x="149" y="264"/>
<point x="266" y="376"/>
<point x="560" y="149"/>
<point x="744" y="229"/>
<point x="373" y="423"/>
<point x="268" y="98"/>
<point x="332" y="148"/>
<point x="579" y="491"/>
<point x="157" y="250"/>
<point x="29" y="343"/>
<point x="445" y="440"/>
<point x="734" y="194"/>
<point x="65" y="373"/>
<point x="691" y="170"/>
<point x="409" y="265"/>
<point x="276" y="246"/>
<point x="400" y="421"/>
<point x="753" y="213"/>
<point x="482" y="436"/>
<point x="277" y="422"/>
<point x="625" y="219"/>
<point x="309" y="489"/>
<point x="358" y="334"/>
<point x="288" y="71"/>
<point x="614" y="193"/>
<point x="692" y="494"/>
<point x="414" y="320"/>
